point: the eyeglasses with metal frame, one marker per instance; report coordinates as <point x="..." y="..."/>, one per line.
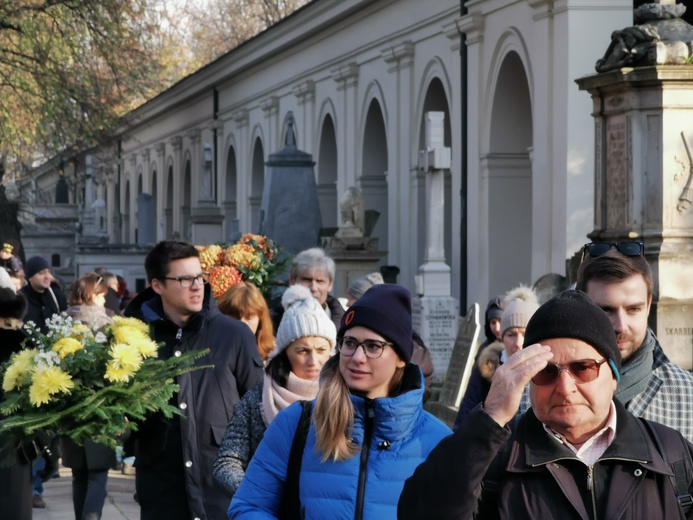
<point x="371" y="347"/>
<point x="186" y="282"/>
<point x="581" y="371"/>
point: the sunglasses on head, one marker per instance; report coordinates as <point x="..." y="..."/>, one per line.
<point x="629" y="248"/>
<point x="582" y="371"/>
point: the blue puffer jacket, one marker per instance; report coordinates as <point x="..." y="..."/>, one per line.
<point x="401" y="435"/>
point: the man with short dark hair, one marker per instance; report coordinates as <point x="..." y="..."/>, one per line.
<point x="619" y="280"/>
<point x="576" y="453"/>
<point x="174" y="456"/>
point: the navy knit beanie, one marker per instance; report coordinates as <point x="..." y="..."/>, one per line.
<point x="571" y="314"/>
<point x="385" y="309"/>
<point x="36" y="264"/>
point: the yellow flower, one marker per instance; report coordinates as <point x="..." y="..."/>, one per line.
<point x="120" y="321"/>
<point x="48" y="381"/>
<point x="125" y="361"/>
<point x="80" y="331"/>
<point x="18" y="372"/>
<point x="128" y="334"/>
<point x="145" y="346"/>
<point x="66" y="346"/>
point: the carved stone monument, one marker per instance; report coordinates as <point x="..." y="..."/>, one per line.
<point x="644" y="165"/>
<point x="290" y="209"/>
<point x="354" y="253"/>
<point x="435" y="311"/>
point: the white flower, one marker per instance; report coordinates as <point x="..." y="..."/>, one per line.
<point x="100" y="337"/>
<point x="46" y="359"/>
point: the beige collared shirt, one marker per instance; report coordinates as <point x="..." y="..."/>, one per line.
<point x="596" y="445"/>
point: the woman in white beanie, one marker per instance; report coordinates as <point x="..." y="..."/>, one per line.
<point x="519" y="305"/>
<point x="306" y="338"/>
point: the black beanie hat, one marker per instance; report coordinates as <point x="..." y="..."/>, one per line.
<point x="36" y="264"/>
<point x="571" y="314"/>
<point x="385" y="309"/>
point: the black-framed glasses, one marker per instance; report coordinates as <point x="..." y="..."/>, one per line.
<point x="371" y="347"/>
<point x="582" y="371"/>
<point x="628" y="248"/>
<point x="186" y="282"/>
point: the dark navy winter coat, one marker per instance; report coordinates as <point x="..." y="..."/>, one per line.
<point x="174" y="457"/>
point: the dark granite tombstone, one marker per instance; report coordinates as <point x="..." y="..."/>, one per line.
<point x="290" y="209"/>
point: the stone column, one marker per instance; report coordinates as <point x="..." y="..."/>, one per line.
<point x="176" y="143"/>
<point x="401" y="202"/>
<point x="435" y="312"/>
<point x="305" y="94"/>
<point x="347" y="78"/>
<point x="643" y="170"/>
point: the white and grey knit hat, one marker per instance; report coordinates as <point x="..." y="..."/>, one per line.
<point x="361" y="285"/>
<point x="303" y="317"/>
<point x="518" y="306"/>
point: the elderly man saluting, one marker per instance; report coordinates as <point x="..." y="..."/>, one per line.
<point x="577" y="453"/>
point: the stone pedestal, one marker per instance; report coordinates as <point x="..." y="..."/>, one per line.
<point x="207" y="221"/>
<point x="354" y="258"/>
<point x="643" y="171"/>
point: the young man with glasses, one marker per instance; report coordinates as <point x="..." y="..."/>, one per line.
<point x="577" y="453"/>
<point x="174" y="457"/>
<point x="618" y="278"/>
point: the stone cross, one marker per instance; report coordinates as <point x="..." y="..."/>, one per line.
<point x="433" y="160"/>
<point x="434" y="276"/>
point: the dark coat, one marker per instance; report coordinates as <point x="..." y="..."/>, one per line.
<point x="174" y="457"/>
<point x="542" y="478"/>
<point x="15" y="480"/>
<point x="91" y="456"/>
<point x="113" y="302"/>
<point x="41" y="306"/>
<point x="479" y="381"/>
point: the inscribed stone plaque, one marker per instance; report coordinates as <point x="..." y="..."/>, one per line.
<point x="436" y="318"/>
<point x="462" y="359"/>
<point x="616" y="171"/>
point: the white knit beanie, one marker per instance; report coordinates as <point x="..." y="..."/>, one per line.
<point x="518" y="306"/>
<point x="5" y="280"/>
<point x="303" y="317"/>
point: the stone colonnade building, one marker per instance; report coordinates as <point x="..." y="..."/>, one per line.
<point x="359" y="76"/>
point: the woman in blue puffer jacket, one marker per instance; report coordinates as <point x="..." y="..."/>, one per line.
<point x="368" y="430"/>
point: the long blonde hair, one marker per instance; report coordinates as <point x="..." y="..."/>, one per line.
<point x="334" y="412"/>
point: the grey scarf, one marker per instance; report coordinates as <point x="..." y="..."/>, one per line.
<point x="637" y="371"/>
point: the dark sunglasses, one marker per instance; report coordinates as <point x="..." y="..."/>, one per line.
<point x="629" y="248"/>
<point x="582" y="371"/>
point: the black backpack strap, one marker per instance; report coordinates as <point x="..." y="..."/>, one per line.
<point x="290" y="508"/>
<point x="674" y="449"/>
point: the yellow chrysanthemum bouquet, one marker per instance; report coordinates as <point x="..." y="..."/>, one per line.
<point x="87" y="384"/>
<point x="254" y="258"/>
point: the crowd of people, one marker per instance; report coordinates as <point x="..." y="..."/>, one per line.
<point x="315" y="408"/>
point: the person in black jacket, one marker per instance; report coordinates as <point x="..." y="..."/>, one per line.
<point x="15" y="480"/>
<point x="174" y="457"/>
<point x="43" y="300"/>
